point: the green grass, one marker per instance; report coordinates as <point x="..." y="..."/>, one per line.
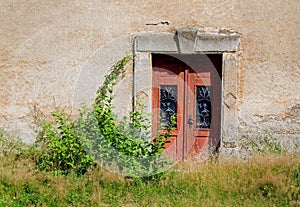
<point x="265" y="180"/>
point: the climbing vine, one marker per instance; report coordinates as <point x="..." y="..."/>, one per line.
<point x="65" y="145"/>
<point x="128" y="146"/>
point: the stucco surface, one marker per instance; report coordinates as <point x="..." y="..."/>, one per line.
<point x="47" y="46"/>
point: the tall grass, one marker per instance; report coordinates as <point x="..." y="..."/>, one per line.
<point x="263" y="180"/>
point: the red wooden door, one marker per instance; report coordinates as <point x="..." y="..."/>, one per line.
<point x="189" y="86"/>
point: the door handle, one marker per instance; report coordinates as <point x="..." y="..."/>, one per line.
<point x="190" y="120"/>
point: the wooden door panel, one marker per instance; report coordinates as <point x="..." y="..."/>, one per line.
<point x="168" y="74"/>
<point x="198" y="121"/>
<point x="199" y="146"/>
<point x="201" y="133"/>
<point x="204" y="105"/>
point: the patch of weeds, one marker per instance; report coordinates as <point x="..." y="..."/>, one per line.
<point x="295" y="185"/>
<point x="265" y="144"/>
<point x="296" y="174"/>
<point x="57" y="148"/>
<point x="10" y="145"/>
<point x="31" y="194"/>
<point x="79" y="195"/>
<point x="267" y="189"/>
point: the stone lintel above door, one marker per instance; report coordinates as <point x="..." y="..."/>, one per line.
<point x="188" y="41"/>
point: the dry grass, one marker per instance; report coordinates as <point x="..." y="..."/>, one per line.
<point x="269" y="180"/>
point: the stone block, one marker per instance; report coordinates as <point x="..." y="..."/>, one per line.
<point x="216" y="42"/>
<point x="159" y="42"/>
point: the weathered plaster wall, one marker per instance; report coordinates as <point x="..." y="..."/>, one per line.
<point x="49" y="48"/>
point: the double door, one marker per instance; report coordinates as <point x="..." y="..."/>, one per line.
<point x="188" y="88"/>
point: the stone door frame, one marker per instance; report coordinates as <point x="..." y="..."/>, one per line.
<point x="193" y="41"/>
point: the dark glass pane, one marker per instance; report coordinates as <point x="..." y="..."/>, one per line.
<point x="168" y="104"/>
<point x="203" y="107"/>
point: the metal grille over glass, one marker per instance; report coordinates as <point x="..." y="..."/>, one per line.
<point x="168" y="104"/>
<point x="203" y="107"/>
